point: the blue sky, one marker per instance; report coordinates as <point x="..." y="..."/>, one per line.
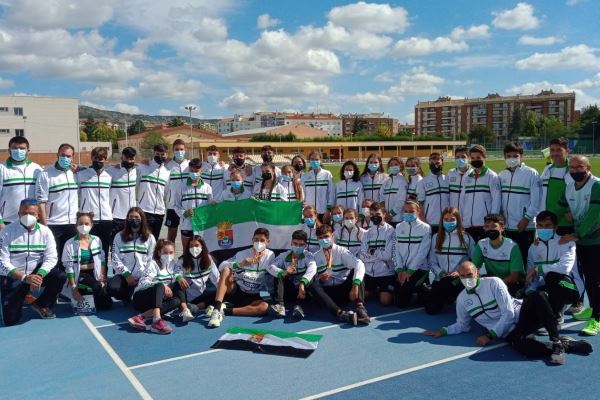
<point x="241" y="56"/>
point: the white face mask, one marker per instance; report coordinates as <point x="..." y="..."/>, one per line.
<point x="513" y="162"/>
<point x="469" y="283"/>
<point x="349" y="223"/>
<point x="212" y="159"/>
<point x="28" y="220"/>
<point x="195" y="251"/>
<point x="165" y="259"/>
<point x="84" y="229"/>
<point x="259" y="246"/>
<point x="366" y="211"/>
<point x="348" y="174"/>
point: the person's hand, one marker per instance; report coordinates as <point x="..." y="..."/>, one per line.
<point x="483" y="340"/>
<point x="2" y="226"/>
<point x="435" y="334"/>
<point x="530" y="275"/>
<point x="324" y="277"/>
<point x="76" y="295"/>
<point x="354" y="293"/>
<point x="403" y="277"/>
<point x="131" y="281"/>
<point x="184" y="284"/>
<point x="34" y="280"/>
<point x="569" y="217"/>
<point x="301" y="291"/>
<point x="189" y="213"/>
<point x="289" y="270"/>
<point x="568" y="238"/>
<point x="168" y="291"/>
<point x="74" y="167"/>
<point x="522" y="224"/>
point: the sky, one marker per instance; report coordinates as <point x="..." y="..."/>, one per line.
<point x="238" y="56"/>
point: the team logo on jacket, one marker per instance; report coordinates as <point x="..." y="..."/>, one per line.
<point x="225" y="234"/>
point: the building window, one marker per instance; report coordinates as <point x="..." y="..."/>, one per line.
<point x="19" y="111"/>
<point x="3" y="109"/>
<point x="4" y="131"/>
<point x="19" y="132"/>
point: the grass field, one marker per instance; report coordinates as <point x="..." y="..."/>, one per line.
<point x="495" y="165"/>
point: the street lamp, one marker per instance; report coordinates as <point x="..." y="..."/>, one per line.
<point x="190" y="108"/>
<point x="594" y="138"/>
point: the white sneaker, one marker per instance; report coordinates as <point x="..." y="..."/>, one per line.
<point x="209" y="310"/>
<point x="215" y="319"/>
<point x="186" y="315"/>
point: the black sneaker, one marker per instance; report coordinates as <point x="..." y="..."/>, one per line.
<point x="298" y="312"/>
<point x="558" y="353"/>
<point x="542" y="332"/>
<point x="362" y="315"/>
<point x="576" y="346"/>
<point x="277" y="310"/>
<point x="349" y="317"/>
<point x="44" y="312"/>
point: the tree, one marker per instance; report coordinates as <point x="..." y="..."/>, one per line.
<point x="517" y="123"/>
<point x="382" y="129"/>
<point x="83" y="136"/>
<point x="153" y="139"/>
<point x="530" y="127"/>
<point x="177" y="121"/>
<point x="137" y="127"/>
<point x="103" y="133"/>
<point x="480" y="134"/>
<point x="90" y="125"/>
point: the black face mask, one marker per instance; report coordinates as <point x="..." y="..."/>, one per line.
<point x="160" y="159"/>
<point x="376" y="219"/>
<point x="477" y="163"/>
<point x="239" y="161"/>
<point x="267" y="176"/>
<point x="134" y="224"/>
<point x="298" y="167"/>
<point x="127" y="164"/>
<point x="493" y="234"/>
<point x="267" y="158"/>
<point x="97" y="165"/>
<point x="435" y="169"/>
<point x="578" y="176"/>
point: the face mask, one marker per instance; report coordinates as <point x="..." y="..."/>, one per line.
<point x="349" y="223"/>
<point x="348" y="174"/>
<point x="84" y="229"/>
<point x="461" y="163"/>
<point x="325" y="243"/>
<point x="310" y="222"/>
<point x="212" y="159"/>
<point x="179" y="154"/>
<point x="195" y="251"/>
<point x="28" y="220"/>
<point x="236" y="185"/>
<point x="449" y="226"/>
<point x="435" y="169"/>
<point x="286" y="178"/>
<point x="409" y="217"/>
<point x="493" y="234"/>
<point x="267" y="158"/>
<point x="366" y="211"/>
<point x="545" y="234"/>
<point x="64" y="162"/>
<point x="159" y="159"/>
<point x="298" y="167"/>
<point x="134" y="224"/>
<point x="469" y="283"/>
<point x="239" y="161"/>
<point x="513" y="162"/>
<point x="394" y="170"/>
<point x="267" y="176"/>
<point x="97" y="165"/>
<point x="18" y="154"/>
<point x="373" y="167"/>
<point x="477" y="163"/>
<point x="315" y="163"/>
<point x="194" y="176"/>
<point x="578" y="176"/>
<point x="298" y="249"/>
<point x="337" y="217"/>
<point x="165" y="259"/>
<point x="376" y="219"/>
<point x="412" y="171"/>
<point x="127" y="164"/>
<point x="259" y="246"/>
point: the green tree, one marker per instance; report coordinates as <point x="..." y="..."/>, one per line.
<point x="137" y="127"/>
<point x="83" y="136"/>
<point x="177" y="121"/>
<point x="383" y="129"/>
<point x="103" y="133"/>
<point x="90" y="125"/>
<point x="530" y="127"/>
<point x="153" y="139"/>
<point x="481" y="134"/>
<point x="516" y="126"/>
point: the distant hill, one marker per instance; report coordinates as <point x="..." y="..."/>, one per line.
<point x="119" y="117"/>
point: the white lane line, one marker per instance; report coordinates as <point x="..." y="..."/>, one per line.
<point x="112" y="324"/>
<point x="202" y="353"/>
<point x="117" y="360"/>
<point x="416" y="368"/>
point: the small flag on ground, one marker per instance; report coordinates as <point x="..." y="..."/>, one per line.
<point x="269" y="342"/>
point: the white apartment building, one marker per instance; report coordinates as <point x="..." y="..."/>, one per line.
<point x="45" y="121"/>
<point x="237" y="123"/>
<point x="329" y="123"/>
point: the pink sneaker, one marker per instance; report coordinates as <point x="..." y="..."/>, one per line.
<point x="161" y="327"/>
<point x="138" y="322"/>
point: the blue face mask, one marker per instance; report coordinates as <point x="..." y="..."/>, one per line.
<point x="64" y="162"/>
<point x="298" y="249"/>
<point x="310" y="222"/>
<point x="179" y="154"/>
<point x="315" y="163"/>
<point x="236" y="185"/>
<point x="545" y="234"/>
<point x="373" y="167"/>
<point x="325" y="243"/>
<point x="286" y="178"/>
<point x="194" y="176"/>
<point x="409" y="217"/>
<point x="449" y="226"/>
<point x="461" y="163"/>
<point x="394" y="170"/>
<point x="337" y="217"/>
<point x="18" y="154"/>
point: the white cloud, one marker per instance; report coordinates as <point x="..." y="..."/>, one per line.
<point x="49" y="14"/>
<point x="241" y="101"/>
<point x="477" y="61"/>
<point x="521" y="17"/>
<point x="528" y="40"/>
<point x="265" y="21"/>
<point x="575" y="2"/>
<point x="473" y="32"/>
<point x="107" y="92"/>
<point x="5" y="83"/>
<point x="419" y="46"/>
<point x="370" y="17"/>
<point x="370" y="97"/>
<point x="572" y="57"/>
<point x="126" y="108"/>
<point x="582" y="99"/>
